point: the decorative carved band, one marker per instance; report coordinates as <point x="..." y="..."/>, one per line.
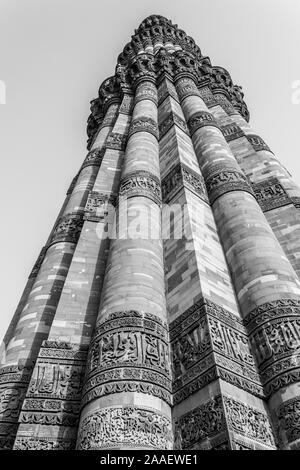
<point x="248" y="421"/>
<point x="171" y="120"/>
<point x="98" y="206"/>
<point x="46" y="443"/>
<point x="201" y="119"/>
<point x="289" y="422"/>
<point x="274" y="333"/>
<point x="182" y="176"/>
<point x="125" y="426"/>
<point x="38" y="263"/>
<point x="141" y="183"/>
<point x="207" y="341"/>
<point x="13" y="385"/>
<point x="270" y="194"/>
<point x="232" y="132"/>
<point x="129" y="352"/>
<point x="147" y="91"/>
<point x="67" y="229"/>
<point x="200" y="424"/>
<point x="257" y="143"/>
<point x="94" y="157"/>
<point x="54" y="393"/>
<point x="116" y="141"/>
<point x="143" y="124"/>
<point x="224" y="180"/>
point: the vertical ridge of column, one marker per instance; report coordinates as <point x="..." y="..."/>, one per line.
<point x="261" y="273"/>
<point x="34" y="322"/>
<point x="49" y="415"/>
<point x="128" y="374"/>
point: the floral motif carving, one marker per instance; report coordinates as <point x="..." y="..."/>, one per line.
<point x="127" y="425"/>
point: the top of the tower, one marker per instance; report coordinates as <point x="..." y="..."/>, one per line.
<point x="156" y="48"/>
<point x="155" y="20"/>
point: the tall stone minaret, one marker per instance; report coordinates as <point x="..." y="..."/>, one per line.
<point x="164" y="309"/>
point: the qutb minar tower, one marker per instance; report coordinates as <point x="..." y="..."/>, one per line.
<point x="163" y="311"/>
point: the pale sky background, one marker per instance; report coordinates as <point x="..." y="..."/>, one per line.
<point x="55" y="54"/>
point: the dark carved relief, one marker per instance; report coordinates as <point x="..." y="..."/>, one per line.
<point x="141" y="183"/>
<point x="129" y="352"/>
<point x="38" y="263"/>
<point x="270" y="194"/>
<point x="182" y="176"/>
<point x="94" y="157"/>
<point x="257" y="143"/>
<point x="274" y="333"/>
<point x="116" y="141"/>
<point x="54" y="393"/>
<point x="224" y="180"/>
<point x="248" y="421"/>
<point x="143" y="124"/>
<point x="206" y="342"/>
<point x="201" y="423"/>
<point x="13" y="384"/>
<point x="67" y="229"/>
<point x="98" y="206"/>
<point x="201" y="119"/>
<point x="31" y="443"/>
<point x="232" y="132"/>
<point x="126" y="426"/>
<point x="289" y="421"/>
<point x="171" y="120"/>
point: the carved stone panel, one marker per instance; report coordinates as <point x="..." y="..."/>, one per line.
<point x="141" y="183"/>
<point x="182" y="176"/>
<point x="125" y="426"/>
<point x="129" y="352"/>
<point x="98" y="206"/>
<point x="270" y="194"/>
<point x="67" y="229"/>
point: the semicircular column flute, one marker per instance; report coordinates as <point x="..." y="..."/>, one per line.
<point x="127" y="395"/>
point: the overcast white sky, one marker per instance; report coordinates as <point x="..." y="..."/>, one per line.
<point x="54" y="55"/>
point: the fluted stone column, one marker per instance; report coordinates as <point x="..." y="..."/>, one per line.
<point x="264" y="279"/>
<point x="35" y="320"/>
<point x="126" y="395"/>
